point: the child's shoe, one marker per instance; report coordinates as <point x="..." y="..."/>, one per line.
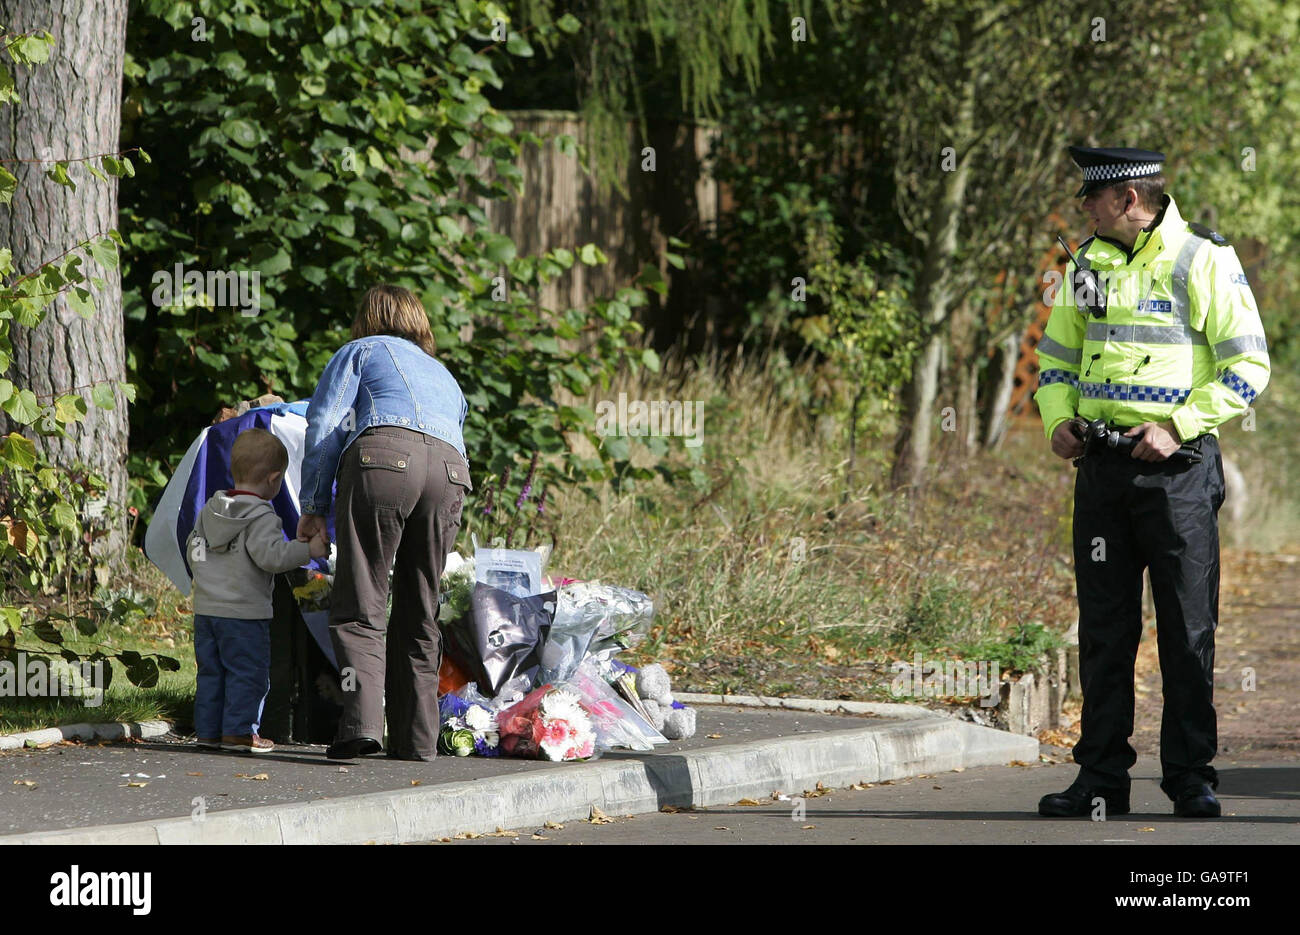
<point x="253" y="744"/>
<point x="209" y="743"/>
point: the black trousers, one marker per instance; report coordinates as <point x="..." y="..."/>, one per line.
<point x="1131" y="515"/>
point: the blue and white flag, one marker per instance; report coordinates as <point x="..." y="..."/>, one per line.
<point x="205" y="469"/>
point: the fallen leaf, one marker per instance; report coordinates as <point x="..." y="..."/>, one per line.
<point x="536" y="837"/>
<point x="598" y="817"/>
<point x="748" y="802"/>
<point x="1146" y="829"/>
<point x="467" y="836"/>
<point x="193" y="774"/>
<point x="1019" y="763"/>
<point x="713" y="736"/>
<point x="246" y="776"/>
<point x="445" y="840"/>
<point x="416" y="782"/>
<point x="807" y="827"/>
<point x="136" y="785"/>
<point x="25" y="782"/>
<point x="721" y="828"/>
<point x="670" y="809"/>
<point x="554" y="826"/>
<point x="938" y="787"/>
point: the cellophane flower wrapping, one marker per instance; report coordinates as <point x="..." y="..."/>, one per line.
<point x="469" y="724"/>
<point x="623" y="616"/>
<point x="550" y="723"/>
<point x="616" y="723"/>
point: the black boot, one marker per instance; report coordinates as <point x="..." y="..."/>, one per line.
<point x="1197" y="801"/>
<point x="351" y="749"/>
<point x="1077" y="801"/>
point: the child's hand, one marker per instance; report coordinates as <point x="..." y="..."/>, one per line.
<point x="318" y="547"/>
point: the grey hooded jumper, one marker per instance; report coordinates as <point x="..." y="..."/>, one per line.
<point x="243" y="545"/>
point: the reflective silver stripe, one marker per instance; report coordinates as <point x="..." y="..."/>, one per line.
<point x="1071" y="355"/>
<point x="1182" y="267"/>
<point x="1180" y="332"/>
<point x="1234" y="346"/>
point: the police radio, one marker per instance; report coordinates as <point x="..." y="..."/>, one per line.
<point x="1089" y="291"/>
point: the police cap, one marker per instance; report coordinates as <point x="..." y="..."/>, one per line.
<point x="1102" y="167"/>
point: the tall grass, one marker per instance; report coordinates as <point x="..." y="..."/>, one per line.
<point x="787" y="559"/>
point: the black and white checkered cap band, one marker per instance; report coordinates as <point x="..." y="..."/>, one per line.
<point x="1124" y="170"/>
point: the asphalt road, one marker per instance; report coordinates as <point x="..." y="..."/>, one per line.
<point x="985" y="805"/>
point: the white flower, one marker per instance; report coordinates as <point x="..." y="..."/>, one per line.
<point x="491" y="738"/>
<point x="478" y="718"/>
<point x="563" y="705"/>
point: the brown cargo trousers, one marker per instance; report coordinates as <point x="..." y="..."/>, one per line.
<point x="399" y="502"/>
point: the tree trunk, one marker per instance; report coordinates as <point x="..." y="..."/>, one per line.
<point x="68" y="108"/>
<point x="934" y="302"/>
<point x="1001" y="382"/>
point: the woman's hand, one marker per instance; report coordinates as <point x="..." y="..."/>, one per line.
<point x="309" y="525"/>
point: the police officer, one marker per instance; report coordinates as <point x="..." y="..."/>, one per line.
<point x="1162" y="340"/>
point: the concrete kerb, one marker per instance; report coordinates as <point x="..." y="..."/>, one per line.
<point x="85" y="732"/>
<point x="618" y="784"/>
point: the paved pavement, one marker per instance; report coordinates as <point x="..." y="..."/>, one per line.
<point x="85" y="784"/>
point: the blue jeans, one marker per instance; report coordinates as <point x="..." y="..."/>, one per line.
<point x="234" y="660"/>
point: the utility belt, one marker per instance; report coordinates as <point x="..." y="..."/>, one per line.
<point x="1101" y="439"/>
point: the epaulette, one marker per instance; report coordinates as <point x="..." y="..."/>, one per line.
<point x="1214" y="237"/>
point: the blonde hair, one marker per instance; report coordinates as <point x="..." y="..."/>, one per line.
<point x="393" y="310"/>
<point x="256" y="455"/>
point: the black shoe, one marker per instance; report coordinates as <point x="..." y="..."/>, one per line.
<point x="1076" y="802"/>
<point x="351" y="749"/>
<point x="1197" y="802"/>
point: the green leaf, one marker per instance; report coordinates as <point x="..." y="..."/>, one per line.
<point x="240" y="131"/>
<point x="104" y="252"/>
<point x="47" y="632"/>
<point x="498" y="248"/>
<point x="87" y="626"/>
<point x="80" y="302"/>
<point x="591" y="255"/>
<point x="143" y="673"/>
<point x="518" y="45"/>
<point x="128" y="390"/>
<point x="59" y="173"/>
<point x="650" y="359"/>
<point x="168" y="664"/>
<point x="64" y="516"/>
<point x="22" y="407"/>
<point x="8" y="185"/>
<point x="675" y="260"/>
<point x="568" y="23"/>
<point x="69" y="408"/>
<point x="18" y="451"/>
<point x="101" y="394"/>
<point x="450" y="229"/>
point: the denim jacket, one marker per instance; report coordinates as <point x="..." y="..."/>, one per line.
<point x="378" y="380"/>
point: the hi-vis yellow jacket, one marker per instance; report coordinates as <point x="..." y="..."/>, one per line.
<point x="1181" y="338"/>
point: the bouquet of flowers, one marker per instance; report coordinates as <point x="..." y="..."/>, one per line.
<point x="315" y="594"/>
<point x="457" y="587"/>
<point x="549" y="723"/>
<point x="469" y="725"/>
